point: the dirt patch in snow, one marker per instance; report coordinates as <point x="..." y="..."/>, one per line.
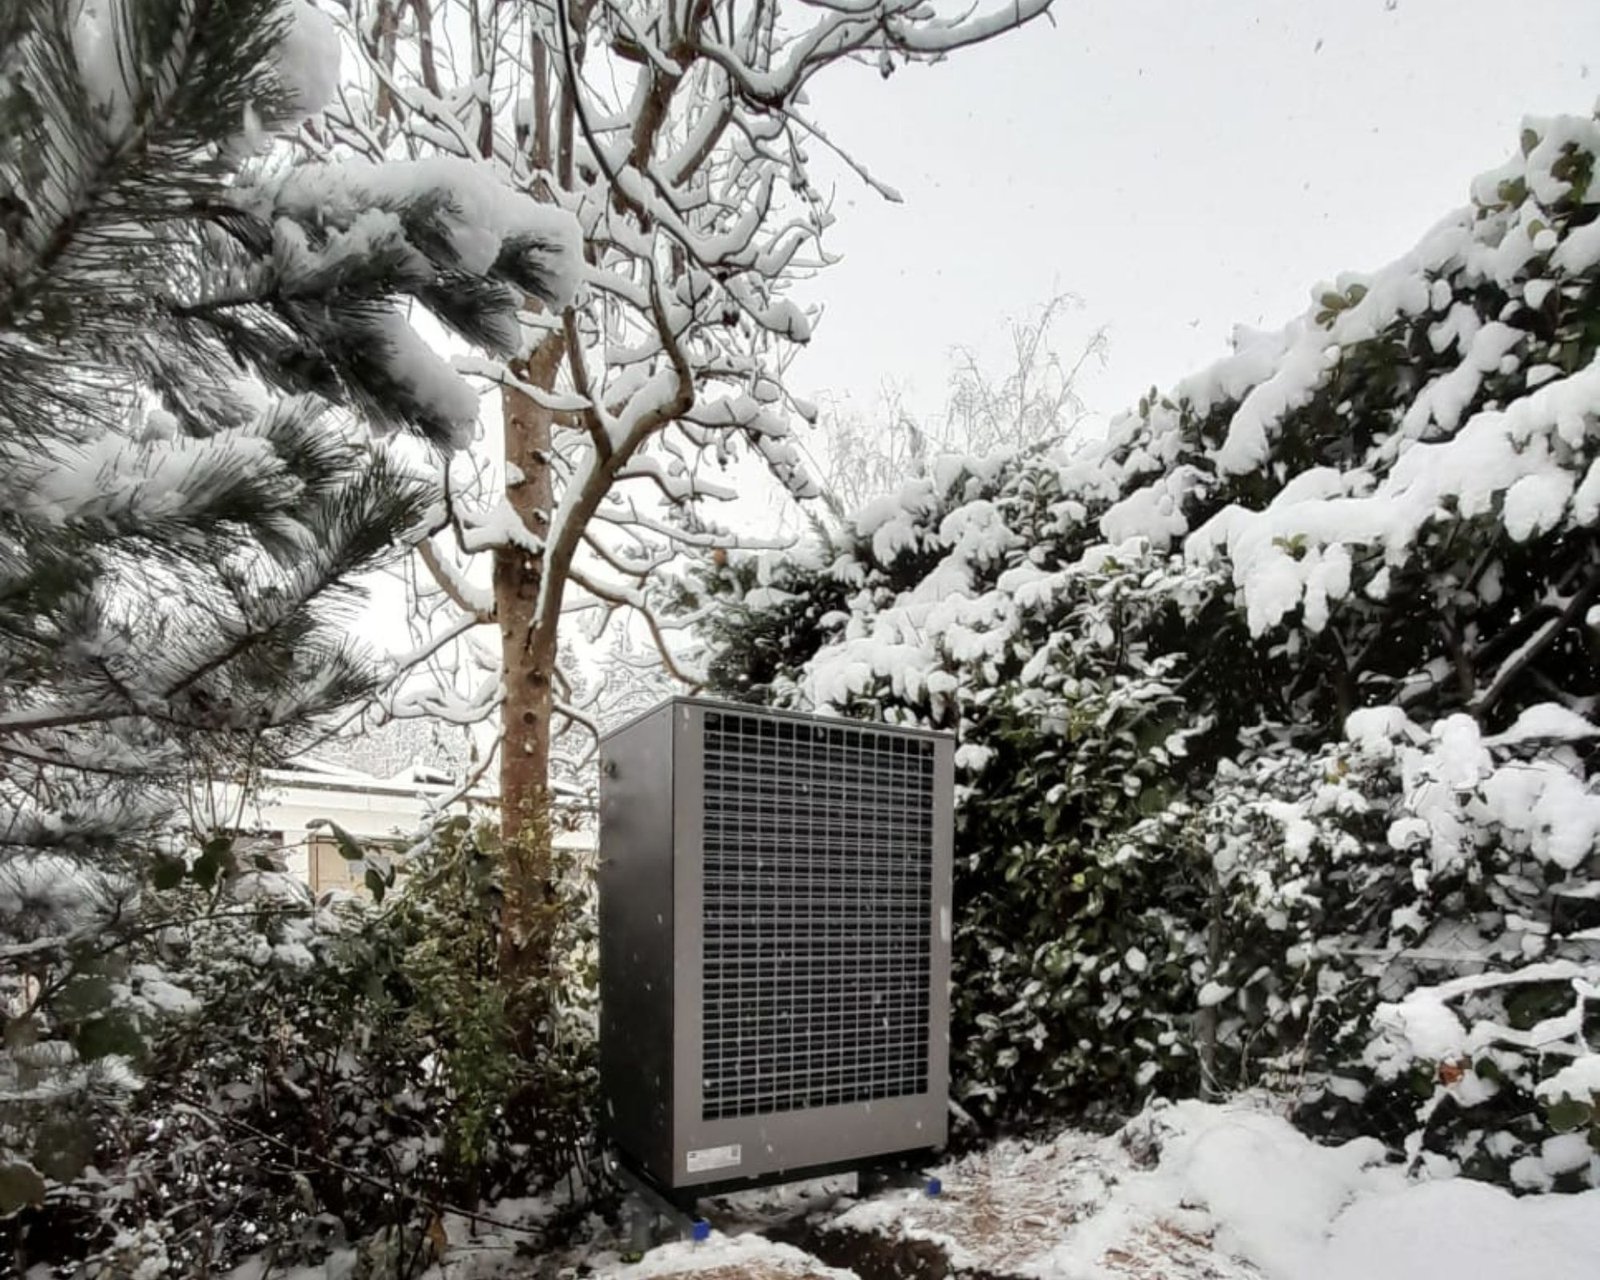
<point x="1164" y="1251"/>
<point x="876" y="1256"/>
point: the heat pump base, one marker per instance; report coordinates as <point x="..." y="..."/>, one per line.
<point x="892" y="1169"/>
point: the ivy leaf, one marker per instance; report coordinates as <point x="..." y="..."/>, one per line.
<point x="1535" y="1002"/>
<point x="167" y="873"/>
<point x="83" y="997"/>
<point x="349" y="847"/>
<point x="113" y="1035"/>
<point x="213" y="858"/>
<point x="20" y="1185"/>
<point x="64" y="1147"/>
<point x="1568" y="1114"/>
<point x="21" y="1032"/>
<point x="1513" y="191"/>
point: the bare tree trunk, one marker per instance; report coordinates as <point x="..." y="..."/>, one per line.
<point x="528" y="671"/>
<point x="385" y="30"/>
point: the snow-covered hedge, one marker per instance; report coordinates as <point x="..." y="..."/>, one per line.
<point x="319" y="1078"/>
<point x="1277" y="706"/>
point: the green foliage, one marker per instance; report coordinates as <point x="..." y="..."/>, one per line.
<point x="315" y="1071"/>
<point x="1073" y="950"/>
<point x="448" y="919"/>
<point x="21" y="1185"/>
<point x="1492" y="1103"/>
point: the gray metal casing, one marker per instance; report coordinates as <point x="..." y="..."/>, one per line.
<point x="652" y="994"/>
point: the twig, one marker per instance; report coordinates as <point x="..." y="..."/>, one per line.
<point x="1518" y="662"/>
<point x="440" y="1207"/>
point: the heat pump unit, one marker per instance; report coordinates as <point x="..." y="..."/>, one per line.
<point x="774" y="943"/>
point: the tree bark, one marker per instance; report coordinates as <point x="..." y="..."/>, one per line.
<point x="528" y="666"/>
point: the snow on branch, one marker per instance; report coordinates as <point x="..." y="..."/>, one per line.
<point x="675" y="139"/>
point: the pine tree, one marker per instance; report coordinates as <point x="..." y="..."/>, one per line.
<point x="191" y="331"/>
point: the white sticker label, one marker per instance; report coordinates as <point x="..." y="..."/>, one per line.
<point x="709" y="1158"/>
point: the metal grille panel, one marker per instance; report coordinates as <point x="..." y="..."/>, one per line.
<point x="818" y="852"/>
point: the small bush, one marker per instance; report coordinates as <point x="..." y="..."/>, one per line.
<point x="301" y="1076"/>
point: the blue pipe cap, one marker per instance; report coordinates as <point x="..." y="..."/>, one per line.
<point x="700" y="1231"/>
<point x="934" y="1188"/>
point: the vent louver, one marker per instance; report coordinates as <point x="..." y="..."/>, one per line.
<point x="818" y="873"/>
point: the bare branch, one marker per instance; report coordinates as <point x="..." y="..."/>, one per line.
<point x="453" y="586"/>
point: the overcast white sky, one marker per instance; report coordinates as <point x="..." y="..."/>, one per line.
<point x="1182" y="165"/>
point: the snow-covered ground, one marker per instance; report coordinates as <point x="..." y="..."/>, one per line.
<point x="1189" y="1191"/>
<point x="1195" y="1190"/>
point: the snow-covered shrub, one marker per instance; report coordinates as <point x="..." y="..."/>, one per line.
<point x="1397" y="869"/>
<point x="1073" y="945"/>
<point x="312" y="1073"/>
<point x="1274" y="706"/>
<point x="1502" y="1073"/>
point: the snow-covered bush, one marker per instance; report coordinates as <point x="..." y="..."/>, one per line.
<point x="1390" y="882"/>
<point x="1073" y="945"/>
<point x="318" y="1074"/>
<point x="1277" y="706"/>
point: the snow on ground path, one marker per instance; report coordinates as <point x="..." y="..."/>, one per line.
<point x="1190" y="1191"/>
<point x="1203" y="1192"/>
<point x="742" y="1257"/>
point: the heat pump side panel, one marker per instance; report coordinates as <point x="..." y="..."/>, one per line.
<point x="636" y="941"/>
<point x="688" y="888"/>
<point x="941" y="926"/>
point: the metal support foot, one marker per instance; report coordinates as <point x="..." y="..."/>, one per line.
<point x="648" y="1217"/>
